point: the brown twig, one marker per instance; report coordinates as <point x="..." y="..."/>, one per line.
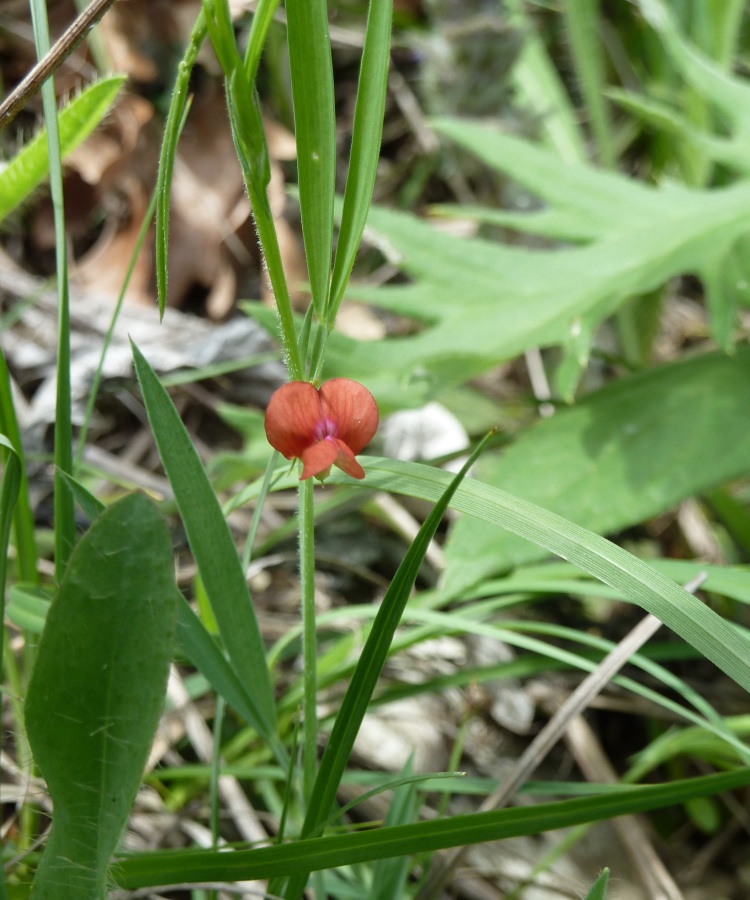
<point x="17" y="99"/>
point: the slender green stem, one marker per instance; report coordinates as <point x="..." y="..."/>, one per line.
<point x="23" y="516"/>
<point x="97" y="379"/>
<point x="215" y="775"/>
<point x="581" y="19"/>
<point x="63" y="499"/>
<point x="309" y="642"/>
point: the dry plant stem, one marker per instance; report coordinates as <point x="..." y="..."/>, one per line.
<point x="658" y="883"/>
<point x="551" y="733"/>
<point x="52" y="61"/>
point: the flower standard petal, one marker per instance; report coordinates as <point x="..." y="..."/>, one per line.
<point x="352" y="408"/>
<point x="318" y="458"/>
<point x="292" y="417"/>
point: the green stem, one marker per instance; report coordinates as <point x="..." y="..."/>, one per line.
<point x="64" y="525"/>
<point x="309" y="642"/>
<point x="23" y="516"/>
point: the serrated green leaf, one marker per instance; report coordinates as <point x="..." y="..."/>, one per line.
<point x="480" y="302"/>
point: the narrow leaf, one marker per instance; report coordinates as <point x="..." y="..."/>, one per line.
<point x="212" y="545"/>
<point x="315" y="130"/>
<point x="177" y="867"/>
<point x="367" y="131"/>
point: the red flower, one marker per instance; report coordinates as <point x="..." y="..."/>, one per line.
<point x="323" y="428"/>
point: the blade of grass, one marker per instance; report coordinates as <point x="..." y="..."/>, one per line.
<point x="581" y="22"/>
<point x="212" y="546"/>
<point x="315" y="131"/>
<point x="250" y="143"/>
<point x="715" y="638"/>
<point x="26" y="555"/>
<point x="367" y="131"/>
<point x="11" y="487"/>
<point x="163" y="868"/>
<point x="309" y="637"/>
<point x="175" y="120"/>
<point x="599" y="887"/>
<point x="97" y="378"/>
<point x="546" y="739"/>
<point x="64" y="520"/>
<point x="262" y="18"/>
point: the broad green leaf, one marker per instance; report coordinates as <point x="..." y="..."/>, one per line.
<point x="177" y="867"/>
<point x="212" y="546"/>
<point x="30" y="166"/>
<point x="97" y="691"/>
<point x="624" y="454"/>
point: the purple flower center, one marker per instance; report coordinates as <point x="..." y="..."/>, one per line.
<point x="324" y="429"/>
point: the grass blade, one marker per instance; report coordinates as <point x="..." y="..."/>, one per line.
<point x="177" y="867"/>
<point x="24" y="518"/>
<point x="315" y="130"/>
<point x="367" y="131"/>
<point x="9" y="492"/>
<point x="212" y="546"/>
<point x="173" y="127"/>
<point x="64" y="524"/>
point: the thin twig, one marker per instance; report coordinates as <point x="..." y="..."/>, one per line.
<point x="15" y="101"/>
<point x="550" y="734"/>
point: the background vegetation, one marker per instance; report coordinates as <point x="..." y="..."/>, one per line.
<point x="420" y="684"/>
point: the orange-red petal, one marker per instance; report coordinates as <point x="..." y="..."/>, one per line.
<point x="292" y="417"/>
<point x="353" y="409"/>
<point x="346" y="461"/>
<point x="318" y="458"/>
